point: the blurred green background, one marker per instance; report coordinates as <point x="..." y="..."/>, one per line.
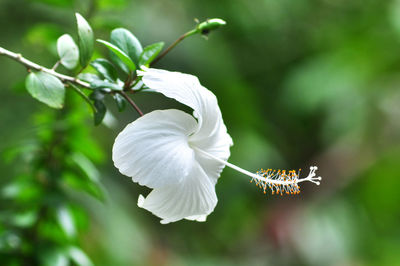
<point x="300" y="83"/>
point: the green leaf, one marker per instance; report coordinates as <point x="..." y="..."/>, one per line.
<point x="22" y="189"/>
<point x="121" y="55"/>
<point x="53" y="257"/>
<point x="24" y="219"/>
<point x="46" y="88"/>
<point x="88" y="77"/>
<point x="66" y="221"/>
<point x="98" y="101"/>
<point x="94" y="189"/>
<point x="11" y="190"/>
<point x="128" y="43"/>
<point x="67" y="51"/>
<point x="105" y="69"/>
<point x="150" y="52"/>
<point x="86" y="166"/>
<point x="85" y="40"/>
<point x="79" y="257"/>
<point x="120" y="101"/>
<point x="9" y="240"/>
<point x="103" y="84"/>
<point x="81" y="216"/>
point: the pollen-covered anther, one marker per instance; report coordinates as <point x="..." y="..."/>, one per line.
<point x="278" y="181"/>
<point x="282" y="181"/>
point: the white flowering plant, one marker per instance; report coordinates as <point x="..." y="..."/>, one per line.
<point x="178" y="155"/>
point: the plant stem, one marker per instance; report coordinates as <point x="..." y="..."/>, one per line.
<point x="131" y="102"/>
<point x="56" y="65"/>
<point x="75" y="88"/>
<point x="31" y="65"/>
<point x="64" y="78"/>
<point x="175" y="43"/>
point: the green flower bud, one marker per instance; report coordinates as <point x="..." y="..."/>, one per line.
<point x="209" y="25"/>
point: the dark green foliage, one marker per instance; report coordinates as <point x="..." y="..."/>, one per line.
<point x="150" y="53"/>
<point x="98" y="99"/>
<point x="42" y="220"/>
<point x="103" y="84"/>
<point x="128" y="43"/>
<point x="46" y="88"/>
<point x="119" y="57"/>
<point x="85" y="40"/>
<point x="105" y="69"/>
<point x="120" y="101"/>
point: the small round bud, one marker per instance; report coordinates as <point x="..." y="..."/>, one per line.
<point x="210" y="24"/>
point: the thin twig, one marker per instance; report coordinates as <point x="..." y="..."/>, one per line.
<point x="83" y="95"/>
<point x="66" y="79"/>
<point x="56" y="65"/>
<point x="31" y="65"/>
<point x="131" y="102"/>
<point x="166" y="51"/>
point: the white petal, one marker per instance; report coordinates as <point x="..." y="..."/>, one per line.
<point x="218" y="146"/>
<point x="198" y="218"/>
<point x="154" y="149"/>
<point x="187" y="89"/>
<point x="194" y="198"/>
<point x="211" y="135"/>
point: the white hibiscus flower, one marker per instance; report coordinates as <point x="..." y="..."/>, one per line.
<point x="181" y="156"/>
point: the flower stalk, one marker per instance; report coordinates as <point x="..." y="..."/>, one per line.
<point x="131" y="102"/>
<point x="202" y="28"/>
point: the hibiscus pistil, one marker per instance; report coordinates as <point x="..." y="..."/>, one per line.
<point x="278" y="181"/>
